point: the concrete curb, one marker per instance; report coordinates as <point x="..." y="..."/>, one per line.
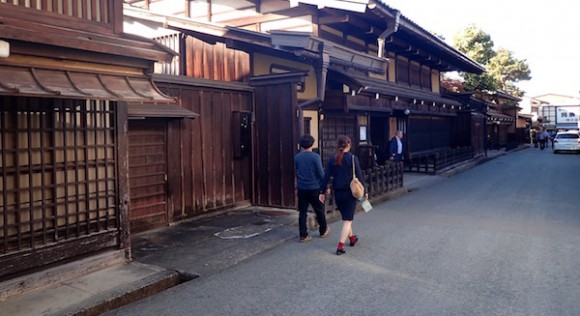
<point x="124" y="294"/>
<point x="96" y="292"/>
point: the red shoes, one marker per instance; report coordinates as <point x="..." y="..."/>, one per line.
<point x="353" y="239"/>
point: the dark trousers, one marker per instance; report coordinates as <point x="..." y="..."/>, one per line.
<point x="542" y="144"/>
<point x="306" y="197"/>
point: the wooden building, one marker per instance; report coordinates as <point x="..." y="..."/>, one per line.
<point x="502" y="112"/>
<point x="69" y="80"/>
<point x="489" y="121"/>
<point x="508" y="134"/>
<point x="283" y="82"/>
<point x="359" y="69"/>
<point x="393" y="82"/>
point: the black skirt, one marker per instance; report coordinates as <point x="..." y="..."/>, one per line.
<point x="346" y="204"/>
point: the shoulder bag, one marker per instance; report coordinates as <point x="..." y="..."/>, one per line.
<point x="356" y="186"/>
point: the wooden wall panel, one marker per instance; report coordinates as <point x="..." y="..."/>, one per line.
<point x="210" y="177"/>
<point x="215" y="62"/>
<point x="276" y="134"/>
<point x="147" y="174"/>
<point x="175" y="130"/>
<point x="462" y="129"/>
<point x="477" y="134"/>
<point x="429" y="132"/>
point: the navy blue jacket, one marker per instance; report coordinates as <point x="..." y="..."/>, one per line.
<point x="309" y="170"/>
<point x="393" y="150"/>
<point x="341" y="175"/>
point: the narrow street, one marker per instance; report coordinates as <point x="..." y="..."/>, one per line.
<point x="500" y="239"/>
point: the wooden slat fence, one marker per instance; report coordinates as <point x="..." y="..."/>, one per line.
<point x="380" y="180"/>
<point x="433" y="161"/>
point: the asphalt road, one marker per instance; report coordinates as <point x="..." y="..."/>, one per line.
<point x="500" y="239"/>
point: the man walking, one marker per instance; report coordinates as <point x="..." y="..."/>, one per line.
<point x="544" y="136"/>
<point x="396" y="147"/>
<point x="309" y="172"/>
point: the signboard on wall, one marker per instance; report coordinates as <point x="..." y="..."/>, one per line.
<point x="4" y="49"/>
<point x="567" y="117"/>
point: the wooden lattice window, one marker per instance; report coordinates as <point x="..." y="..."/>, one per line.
<point x="402" y="71"/>
<point x="332" y="128"/>
<point x="415" y="74"/>
<point x="426" y="78"/>
<point x="57" y="171"/>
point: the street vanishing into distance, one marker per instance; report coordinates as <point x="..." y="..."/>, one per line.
<point x="502" y="238"/>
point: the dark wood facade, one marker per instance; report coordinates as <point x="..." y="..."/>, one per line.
<point x="205" y="174"/>
<point x="276" y="132"/>
<point x="365" y="77"/>
<point x="148" y="165"/>
<point x="199" y="169"/>
<point x="64" y="92"/>
<point x="59" y="176"/>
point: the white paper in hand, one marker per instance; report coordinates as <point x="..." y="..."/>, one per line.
<point x="366" y="205"/>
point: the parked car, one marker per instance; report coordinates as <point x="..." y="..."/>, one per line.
<point x="566" y="141"/>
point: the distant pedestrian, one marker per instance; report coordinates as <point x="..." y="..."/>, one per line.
<point x="396" y="147"/>
<point x="543" y="138"/>
<point x="309" y="173"/>
<point x="340" y="168"/>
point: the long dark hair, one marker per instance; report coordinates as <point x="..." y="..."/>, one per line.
<point x="341" y="144"/>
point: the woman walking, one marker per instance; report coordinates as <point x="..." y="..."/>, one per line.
<point x="340" y="167"/>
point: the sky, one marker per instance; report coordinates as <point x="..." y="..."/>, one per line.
<point x="544" y="33"/>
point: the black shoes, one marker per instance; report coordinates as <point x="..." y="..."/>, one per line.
<point x="340" y="252"/>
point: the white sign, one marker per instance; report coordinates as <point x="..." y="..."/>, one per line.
<point x="4" y="49"/>
<point x="567" y="114"/>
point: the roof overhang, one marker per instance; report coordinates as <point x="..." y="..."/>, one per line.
<point x="374" y="86"/>
<point x="358" y="12"/>
<point x="499" y="117"/>
<point x="301" y="45"/>
<point x="127" y="45"/>
<point x="431" y="42"/>
<point x="58" y="83"/>
<point x="349" y="5"/>
<point x="505" y="95"/>
<point x="378" y="20"/>
<point x="167" y="111"/>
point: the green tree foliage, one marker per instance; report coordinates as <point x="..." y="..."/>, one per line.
<point x="507" y="71"/>
<point x="504" y="70"/>
<point x="474" y="43"/>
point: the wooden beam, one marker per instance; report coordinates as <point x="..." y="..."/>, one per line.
<point x="333" y="19"/>
<point x="414" y="53"/>
<point x="277" y="15"/>
<point x="363" y="26"/>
